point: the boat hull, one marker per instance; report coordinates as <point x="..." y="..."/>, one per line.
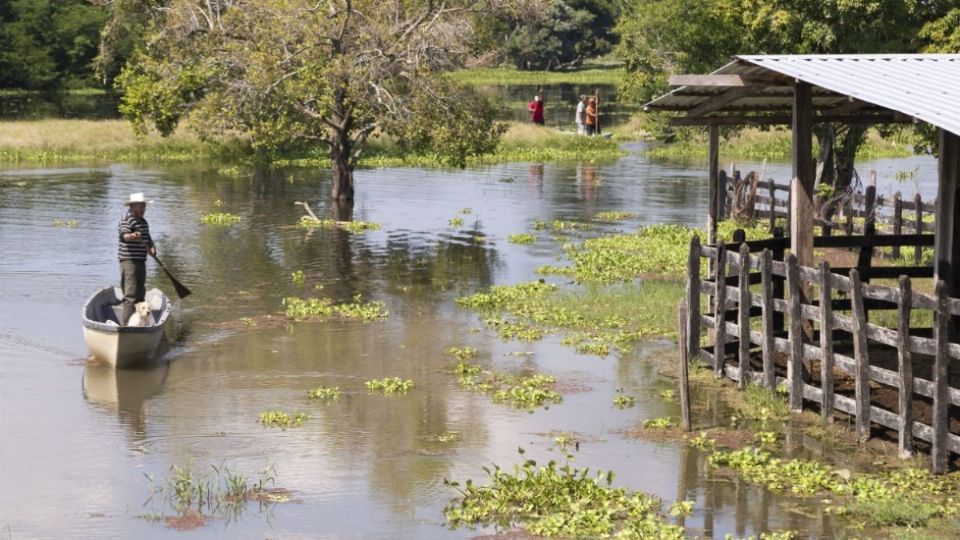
<point x="123" y="346"/>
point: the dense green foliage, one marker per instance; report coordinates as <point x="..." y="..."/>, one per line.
<point x="47" y="44"/>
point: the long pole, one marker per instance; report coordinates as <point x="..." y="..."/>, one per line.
<point x="596" y="108"/>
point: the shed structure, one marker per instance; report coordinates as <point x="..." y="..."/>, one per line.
<point x="800" y="91"/>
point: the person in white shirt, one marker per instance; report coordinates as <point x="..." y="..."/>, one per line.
<point x="581" y="115"/>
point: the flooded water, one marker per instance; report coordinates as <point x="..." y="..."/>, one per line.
<point x="78" y="442"/>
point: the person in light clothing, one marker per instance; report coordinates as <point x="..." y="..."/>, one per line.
<point x="581" y="116"/>
<point x="135" y="245"/>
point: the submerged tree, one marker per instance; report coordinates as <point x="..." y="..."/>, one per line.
<point x="292" y="73"/>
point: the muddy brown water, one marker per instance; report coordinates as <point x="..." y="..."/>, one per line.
<point x="77" y="442"/>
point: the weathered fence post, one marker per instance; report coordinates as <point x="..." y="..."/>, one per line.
<point x="795" y="366"/>
<point x="693" y="298"/>
<point x="941" y="374"/>
<point x="685" y="419"/>
<point x="861" y="357"/>
<point x="743" y="320"/>
<point x="719" y="311"/>
<point x="826" y="342"/>
<point x="766" y="281"/>
<point x="772" y="187"/>
<point x="897" y="220"/>
<point x="918" y="250"/>
<point x="905" y="367"/>
<point x="778" y="285"/>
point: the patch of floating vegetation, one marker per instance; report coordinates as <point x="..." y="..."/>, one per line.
<point x="595" y="319"/>
<point x="297" y="277"/>
<point x="538" y="499"/>
<point x="463" y="353"/>
<point x="447" y="437"/>
<point x="390" y="385"/>
<point x="521" y="238"/>
<point x="324" y="393"/>
<point x="559" y="226"/>
<point x="664" y="422"/>
<point x="466" y="211"/>
<point x="623" y="401"/>
<point x="308" y="222"/>
<point x="219" y="218"/>
<point x="615" y="215"/>
<point x="282" y="420"/>
<point x="524" y="391"/>
<point x="455" y="221"/>
<point x="300" y="309"/>
<point x="67" y="223"/>
<point x="196" y="498"/>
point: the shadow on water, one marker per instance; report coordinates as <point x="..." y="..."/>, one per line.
<point x="364" y="465"/>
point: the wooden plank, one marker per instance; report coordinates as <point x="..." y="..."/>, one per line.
<point x="918" y="251"/>
<point x="795" y="366"/>
<point x="947" y="249"/>
<point x="941" y="374"/>
<point x="719" y="101"/>
<point x="772" y="216"/>
<point x="685" y="420"/>
<point x="860" y="356"/>
<point x="897" y="221"/>
<point x="766" y="281"/>
<point x="784" y="119"/>
<point x="905" y="369"/>
<point x="874" y="241"/>
<point x="693" y="297"/>
<point x="715" y="180"/>
<point x="719" y="307"/>
<point x="743" y="321"/>
<point x="826" y="343"/>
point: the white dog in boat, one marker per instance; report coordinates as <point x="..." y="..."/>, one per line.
<point x="141" y="315"/>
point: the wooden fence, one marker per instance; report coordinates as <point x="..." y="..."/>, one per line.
<point x="896" y="217"/>
<point x="840" y="308"/>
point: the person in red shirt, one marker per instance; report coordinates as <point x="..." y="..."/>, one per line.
<point x="591" y="120"/>
<point x="536" y="109"/>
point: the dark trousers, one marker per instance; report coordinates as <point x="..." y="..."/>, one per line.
<point x="133" y="281"/>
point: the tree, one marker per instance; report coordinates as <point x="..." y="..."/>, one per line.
<point x="46" y="44"/>
<point x="287" y="73"/>
<point x="660" y="37"/>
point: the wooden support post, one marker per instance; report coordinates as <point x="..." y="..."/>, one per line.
<point x="941" y="377"/>
<point x="743" y="319"/>
<point x="766" y="281"/>
<point x="897" y="220"/>
<point x="772" y="187"/>
<point x="685" y="420"/>
<point x="826" y="342"/>
<point x="714" y="196"/>
<point x="693" y="298"/>
<point x="861" y="358"/>
<point x="947" y="247"/>
<point x="719" y="311"/>
<point x="804" y="175"/>
<point x="918" y="251"/>
<point x="778" y="284"/>
<point x="795" y="366"/>
<point x="905" y="368"/>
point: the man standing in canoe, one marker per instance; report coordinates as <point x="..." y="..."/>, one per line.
<point x="135" y="244"/>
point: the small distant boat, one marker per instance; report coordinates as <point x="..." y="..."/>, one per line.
<point x="123" y="346"/>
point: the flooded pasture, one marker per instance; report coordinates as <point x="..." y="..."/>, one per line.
<point x="80" y="441"/>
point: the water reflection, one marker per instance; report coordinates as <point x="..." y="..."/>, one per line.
<point x="125" y="392"/>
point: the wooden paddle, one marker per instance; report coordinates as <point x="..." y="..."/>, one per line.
<point x="182" y="291"/>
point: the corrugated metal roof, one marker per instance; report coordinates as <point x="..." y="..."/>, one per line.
<point x="923" y="86"/>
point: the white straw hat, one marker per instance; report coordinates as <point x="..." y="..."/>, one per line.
<point x="136" y="198"/>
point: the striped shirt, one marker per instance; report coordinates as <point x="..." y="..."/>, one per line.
<point x="135" y="250"/>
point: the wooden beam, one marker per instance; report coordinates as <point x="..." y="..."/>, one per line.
<point x="849" y="106"/>
<point x="801" y="201"/>
<point x="781" y="119"/>
<point x="719" y="101"/>
<point x="730" y="80"/>
<point x="947" y="243"/>
<point x="714" y="194"/>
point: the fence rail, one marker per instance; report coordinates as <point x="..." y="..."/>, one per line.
<point x="789" y="316"/>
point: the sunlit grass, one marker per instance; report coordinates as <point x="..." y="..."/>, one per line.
<point x="511" y="75"/>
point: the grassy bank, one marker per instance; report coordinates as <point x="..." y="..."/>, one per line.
<point x="66" y="141"/>
<point x="775" y="144"/>
<point x="591" y="74"/>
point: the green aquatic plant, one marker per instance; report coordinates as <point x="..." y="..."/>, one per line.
<point x="455" y="221"/>
<point x="300" y="309"/>
<point x="219" y="218"/>
<point x="282" y="419"/>
<point x="521" y="238"/>
<point x="554" y="500"/>
<point x="446" y="437"/>
<point x="356" y="226"/>
<point x="615" y="215"/>
<point x="623" y="401"/>
<point x="659" y="423"/>
<point x="466" y="211"/>
<point x="463" y="353"/>
<point x="524" y="391"/>
<point x="68" y="223"/>
<point x="681" y="508"/>
<point x="560" y="226"/>
<point x="324" y="393"/>
<point x="668" y="394"/>
<point x="390" y="385"/>
<point x="297" y="277"/>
